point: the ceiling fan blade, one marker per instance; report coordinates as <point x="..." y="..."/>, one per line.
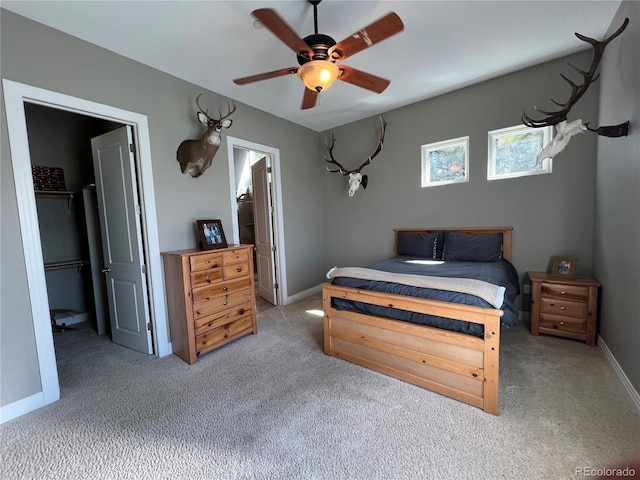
<point x="282" y="30"/>
<point x="362" y="79"/>
<point x="309" y="99"/>
<point x="378" y="31"/>
<point x="266" y="75"/>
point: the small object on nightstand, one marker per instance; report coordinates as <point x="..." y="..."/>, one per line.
<point x="566" y="307"/>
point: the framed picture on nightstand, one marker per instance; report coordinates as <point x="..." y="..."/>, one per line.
<point x="564" y="267"/>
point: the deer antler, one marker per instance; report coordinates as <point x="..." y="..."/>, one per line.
<point x="343" y="170"/>
<point x="231" y="108"/>
<point x="577" y="91"/>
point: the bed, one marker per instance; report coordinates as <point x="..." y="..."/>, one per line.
<point x="418" y="328"/>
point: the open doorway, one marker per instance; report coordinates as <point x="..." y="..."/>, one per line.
<point x="64" y="185"/>
<point x="256" y="213"/>
<point x="16" y="96"/>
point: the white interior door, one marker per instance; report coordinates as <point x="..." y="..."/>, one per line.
<point x="119" y="212"/>
<point x="263" y="218"/>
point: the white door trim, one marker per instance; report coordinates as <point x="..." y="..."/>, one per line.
<point x="15" y="95"/>
<point x="278" y="227"/>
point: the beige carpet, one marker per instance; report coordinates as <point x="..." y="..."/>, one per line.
<point x="273" y="406"/>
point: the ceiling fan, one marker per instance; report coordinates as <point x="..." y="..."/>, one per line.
<point x="318" y="53"/>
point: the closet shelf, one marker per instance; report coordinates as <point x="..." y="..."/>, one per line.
<point x="68" y="264"/>
<point x="56" y="194"/>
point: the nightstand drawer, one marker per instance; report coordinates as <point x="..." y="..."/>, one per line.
<point x="563" y="307"/>
<point x="563" y="324"/>
<point x="566" y="292"/>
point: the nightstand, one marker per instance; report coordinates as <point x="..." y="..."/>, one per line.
<point x="566" y="307"/>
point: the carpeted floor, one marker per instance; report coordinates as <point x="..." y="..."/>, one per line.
<point x="273" y="406"/>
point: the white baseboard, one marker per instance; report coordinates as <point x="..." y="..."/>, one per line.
<point x="301" y="295"/>
<point x="21" y="407"/>
<point x="623" y="377"/>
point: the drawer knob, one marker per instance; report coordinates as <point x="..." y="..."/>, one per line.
<point x="225" y="288"/>
<point x="562" y="308"/>
<point x="562" y="293"/>
<point x="225" y="303"/>
<point x="238" y="270"/>
<point x="561" y="323"/>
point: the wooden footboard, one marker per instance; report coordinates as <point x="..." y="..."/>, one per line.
<point x="457" y="365"/>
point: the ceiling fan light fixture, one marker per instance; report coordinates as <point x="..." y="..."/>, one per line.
<point x="318" y="75"/>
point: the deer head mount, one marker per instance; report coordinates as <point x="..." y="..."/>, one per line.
<point x="195" y="156"/>
<point x="558" y="118"/>
<point x="355" y="177"/>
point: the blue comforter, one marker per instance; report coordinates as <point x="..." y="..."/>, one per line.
<point x="501" y="273"/>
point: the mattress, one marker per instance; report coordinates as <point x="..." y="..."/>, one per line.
<point x="501" y="273"/>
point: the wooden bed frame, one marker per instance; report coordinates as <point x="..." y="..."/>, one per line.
<point x="454" y="364"/>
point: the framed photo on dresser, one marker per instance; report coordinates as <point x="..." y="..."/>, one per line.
<point x="564" y="267"/>
<point x="211" y="234"/>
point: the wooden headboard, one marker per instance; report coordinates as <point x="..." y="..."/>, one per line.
<point x="505" y="231"/>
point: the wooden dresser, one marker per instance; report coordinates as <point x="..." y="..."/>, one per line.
<point x="567" y="307"/>
<point x="210" y="297"/>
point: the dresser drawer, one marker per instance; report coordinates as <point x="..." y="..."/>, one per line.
<point x="202" y="294"/>
<point x="235" y="256"/>
<point x="206" y="277"/>
<point x="223" y="317"/>
<point x="567" y="292"/>
<point x="222" y="302"/>
<point x="563" y="324"/>
<point x="205" y="262"/>
<point x="224" y="332"/>
<point x="563" y="307"/>
<point x="237" y="270"/>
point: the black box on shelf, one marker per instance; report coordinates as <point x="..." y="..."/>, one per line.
<point x="48" y="178"/>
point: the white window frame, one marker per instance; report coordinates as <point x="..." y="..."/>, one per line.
<point x="432" y="147"/>
<point x="494" y="135"/>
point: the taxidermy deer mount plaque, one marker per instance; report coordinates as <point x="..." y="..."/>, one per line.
<point x="355" y="177"/>
<point x="558" y="118"/>
<point x="195" y="156"/>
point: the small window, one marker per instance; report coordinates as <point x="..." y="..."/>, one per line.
<point x="445" y="162"/>
<point x="513" y="152"/>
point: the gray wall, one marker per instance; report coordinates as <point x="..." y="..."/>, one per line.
<point x="37" y="55"/>
<point x="617" y="214"/>
<point x="551" y="214"/>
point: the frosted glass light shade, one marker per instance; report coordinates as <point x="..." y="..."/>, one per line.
<point x="318" y="75"/>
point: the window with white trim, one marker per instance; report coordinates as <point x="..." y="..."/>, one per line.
<point x="513" y="152"/>
<point x="445" y="162"/>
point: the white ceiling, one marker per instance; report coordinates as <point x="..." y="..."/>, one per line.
<point x="445" y="45"/>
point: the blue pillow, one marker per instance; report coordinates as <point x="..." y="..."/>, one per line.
<point x="418" y="244"/>
<point x="464" y="247"/>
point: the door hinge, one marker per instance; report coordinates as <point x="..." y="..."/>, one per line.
<point x="149" y="326"/>
<point x="143" y="268"/>
<point x="273" y="248"/>
<point x="276" y="286"/>
<point x="132" y="148"/>
<point x="138" y="210"/>
<point x="268" y="169"/>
